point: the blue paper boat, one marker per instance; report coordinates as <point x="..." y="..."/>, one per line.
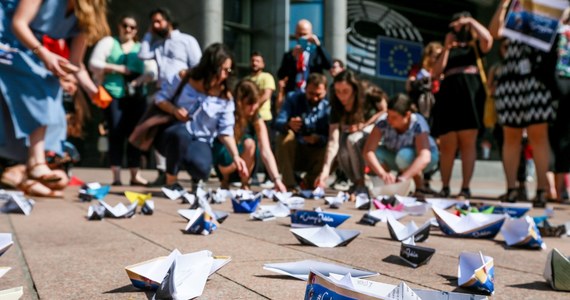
<point x="476" y="272"/>
<point x="246" y="206"/>
<point x="515" y="210"/>
<point x="309" y="218"/>
<point x="523" y="233"/>
<point x="99" y="193"/>
<point x="474" y="225"/>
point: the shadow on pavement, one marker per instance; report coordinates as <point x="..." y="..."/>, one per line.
<point x="393" y="259"/>
<point x="285" y="277"/>
<point x="537" y="285"/>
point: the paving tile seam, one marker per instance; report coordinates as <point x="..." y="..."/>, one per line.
<point x="23" y="261"/>
<point x="244" y="286"/>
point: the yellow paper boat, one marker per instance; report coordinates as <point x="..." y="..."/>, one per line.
<point x="138" y="197"/>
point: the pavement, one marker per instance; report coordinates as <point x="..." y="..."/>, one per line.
<point x="58" y="254"/>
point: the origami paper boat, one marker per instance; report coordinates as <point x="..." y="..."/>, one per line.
<point x="262" y="215"/>
<point x="388" y="204"/>
<point x="95" y="212"/>
<point x="139" y="198"/>
<point x="476" y="271"/>
<point x="188" y="214"/>
<point x="314" y="194"/>
<point x="4" y="270"/>
<point x="400" y="232"/>
<point x="413" y="206"/>
<point x="12" y="294"/>
<point x="515" y="210"/>
<point x="92" y="191"/>
<point x="221" y="196"/>
<point x="119" y="210"/>
<point x="174" y="192"/>
<point x="282" y="196"/>
<point x="301" y="269"/>
<point x="400" y="188"/>
<point x="382" y="214"/>
<point x="336" y="202"/>
<point x="148" y="207"/>
<point x="5" y="242"/>
<point x="326" y="236"/>
<point x="443" y="203"/>
<point x="557" y="270"/>
<point x="246" y="206"/>
<point x="19" y="204"/>
<point x="310" y="218"/>
<point x="362" y="202"/>
<point x="294" y="202"/>
<point x="279" y="210"/>
<point x="474" y="225"/>
<point x="522" y="233"/>
<point x="148" y="275"/>
<point x="415" y="255"/>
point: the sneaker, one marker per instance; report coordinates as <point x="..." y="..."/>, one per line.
<point x="268" y="184"/>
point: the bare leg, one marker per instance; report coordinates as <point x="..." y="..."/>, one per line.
<point x="36" y="156"/>
<point x="538" y="139"/>
<point x="136" y="176"/>
<point x="511" y="154"/>
<point x="248" y="155"/>
<point x="116" y="170"/>
<point x="448" y="148"/>
<point x="171" y="179"/>
<point x="467" y="140"/>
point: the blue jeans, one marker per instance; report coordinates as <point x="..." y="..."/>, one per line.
<point x="403" y="159"/>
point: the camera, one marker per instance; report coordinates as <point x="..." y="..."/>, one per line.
<point x="463" y="35"/>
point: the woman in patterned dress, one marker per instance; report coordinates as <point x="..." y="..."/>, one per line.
<point x="522" y="101"/>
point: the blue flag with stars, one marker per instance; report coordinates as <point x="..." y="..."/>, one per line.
<point x="395" y="57"/>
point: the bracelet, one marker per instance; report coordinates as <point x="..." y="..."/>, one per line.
<point x="36" y="49"/>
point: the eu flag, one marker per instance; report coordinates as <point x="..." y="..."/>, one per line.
<point x="395" y="58"/>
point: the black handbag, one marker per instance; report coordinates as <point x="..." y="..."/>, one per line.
<point x="146" y="130"/>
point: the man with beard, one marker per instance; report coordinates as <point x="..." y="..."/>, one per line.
<point x="173" y="51"/>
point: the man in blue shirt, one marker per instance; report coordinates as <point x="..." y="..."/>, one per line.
<point x="173" y="51"/>
<point x="303" y="126"/>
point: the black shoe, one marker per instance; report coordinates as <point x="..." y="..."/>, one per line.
<point x="465" y="193"/>
<point x="511" y="196"/>
<point x="160" y="180"/>
<point x="444" y="193"/>
<point x="117" y="183"/>
<point x="138" y="183"/>
<point x="540" y="199"/>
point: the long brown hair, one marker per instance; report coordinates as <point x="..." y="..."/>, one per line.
<point x="356" y="114"/>
<point x="210" y="66"/>
<point x="92" y="19"/>
<point x="429" y="50"/>
<point x="246" y="93"/>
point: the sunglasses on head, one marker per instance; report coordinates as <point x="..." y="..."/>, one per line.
<point x="127" y="26"/>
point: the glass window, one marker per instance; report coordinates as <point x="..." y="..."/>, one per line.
<point x="310" y="10"/>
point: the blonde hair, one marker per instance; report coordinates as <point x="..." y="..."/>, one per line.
<point x="429" y="50"/>
<point x="92" y="19"/>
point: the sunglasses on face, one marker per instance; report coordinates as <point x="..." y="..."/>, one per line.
<point x="128" y="26"/>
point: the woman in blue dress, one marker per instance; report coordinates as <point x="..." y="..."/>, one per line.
<point x="31" y="111"/>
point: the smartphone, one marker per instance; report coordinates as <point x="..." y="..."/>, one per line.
<point x="303" y="42"/>
<point x="69" y="67"/>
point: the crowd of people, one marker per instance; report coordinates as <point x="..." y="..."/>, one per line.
<point x="201" y="119"/>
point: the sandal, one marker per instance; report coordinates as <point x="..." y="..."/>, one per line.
<point x="511" y="196"/>
<point x="37" y="189"/>
<point x="444" y="193"/>
<point x="465" y="193"/>
<point x="13" y="176"/>
<point x="49" y="177"/>
<point x="540" y="199"/>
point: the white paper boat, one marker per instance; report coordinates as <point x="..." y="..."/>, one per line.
<point x="12" y="294"/>
<point x="18" y="203"/>
<point x="148" y="207"/>
<point x="336" y="202"/>
<point x="221" y="195"/>
<point x="382" y="214"/>
<point x="515" y="210"/>
<point x="268" y="193"/>
<point x="557" y="270"/>
<point x="174" y="192"/>
<point x="119" y="210"/>
<point x="96" y="212"/>
<point x="282" y="196"/>
<point x="473" y="225"/>
<point x="5" y="242"/>
<point x="347" y="287"/>
<point x="412" y="206"/>
<point x="522" y="233"/>
<point x="400" y="232"/>
<point x="262" y="215"/>
<point x="148" y="275"/>
<point x="443" y="203"/>
<point x="400" y="188"/>
<point x="301" y="269"/>
<point x="294" y="202"/>
<point x="326" y="237"/>
<point x="186" y="278"/>
<point x="200" y="221"/>
<point x="362" y="201"/>
<point x="279" y="210"/>
<point x="476" y="271"/>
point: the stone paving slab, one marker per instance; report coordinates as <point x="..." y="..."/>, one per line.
<point x="61" y="255"/>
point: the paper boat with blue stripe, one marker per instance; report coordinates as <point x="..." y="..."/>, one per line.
<point x="515" y="210"/>
<point x="92" y="191"/>
<point x="309" y="218"/>
<point x="326" y="236"/>
<point x="246" y="206"/>
<point x="522" y="233"/>
<point x="557" y="270"/>
<point x="474" y="225"/>
<point x="476" y="271"/>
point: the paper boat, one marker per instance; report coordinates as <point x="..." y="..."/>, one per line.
<point x="400" y="232"/>
<point x="381" y="204"/>
<point x="268" y="193"/>
<point x="186" y="278"/>
<point x="548" y="230"/>
<point x="96" y="212"/>
<point x="7" y="195"/>
<point x="92" y="191"/>
<point x="148" y="275"/>
<point x="246" y="206"/>
<point x="326" y="237"/>
<point x="400" y="188"/>
<point x="201" y="222"/>
<point x="336" y="202"/>
<point x="515" y="210"/>
<point x="148" y="207"/>
<point x="5" y="242"/>
<point x="310" y="218"/>
<point x="12" y="294"/>
<point x="413" y="206"/>
<point x="281" y="196"/>
<point x="279" y="210"/>
<point x="382" y="214"/>
<point x="19" y="204"/>
<point x="338" y="286"/>
<point x="301" y="269"/>
<point x="119" y="210"/>
<point x="294" y="202"/>
<point x="443" y="203"/>
<point x="476" y="272"/>
<point x="522" y="233"/>
<point x="3" y="271"/>
<point x="262" y="215"/>
<point x="174" y="192"/>
<point x="557" y="270"/>
<point x="221" y="196"/>
<point x="139" y="198"/>
<point x="414" y="255"/>
<point x="317" y="193"/>
<point x="362" y="202"/>
<point x="474" y="225"/>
